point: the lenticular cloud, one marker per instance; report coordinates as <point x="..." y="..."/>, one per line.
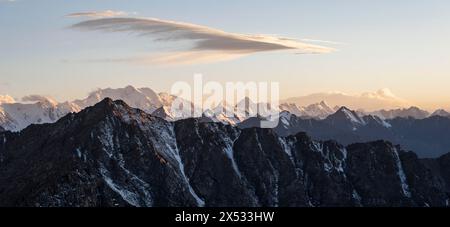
<point x="205" y="44"/>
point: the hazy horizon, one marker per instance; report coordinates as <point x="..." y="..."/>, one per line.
<point x="367" y="101"/>
<point x="351" y="47"/>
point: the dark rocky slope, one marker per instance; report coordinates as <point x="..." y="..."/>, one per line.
<point x="113" y="155"/>
<point x="428" y="137"/>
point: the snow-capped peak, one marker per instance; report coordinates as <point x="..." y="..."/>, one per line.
<point x="37" y="109"/>
<point x="224" y="113"/>
<point x="246" y="108"/>
<point x="293" y="108"/>
<point x="17" y="116"/>
<point x="142" y="98"/>
<point x="441" y="112"/>
<point x="246" y="102"/>
<point x="351" y="115"/>
<point x="319" y="110"/>
<point x="346" y="114"/>
<point x="223" y="107"/>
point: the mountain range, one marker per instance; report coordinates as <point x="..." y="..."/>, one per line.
<point x="428" y="137"/>
<point x="413" y="128"/>
<point x="368" y="101"/>
<point x="113" y="155"/>
<point x="16" y="116"/>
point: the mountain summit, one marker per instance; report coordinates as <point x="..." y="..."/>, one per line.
<point x="441" y="112"/>
<point x="345" y="117"/>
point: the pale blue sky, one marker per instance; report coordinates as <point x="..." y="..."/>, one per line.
<point x="402" y="45"/>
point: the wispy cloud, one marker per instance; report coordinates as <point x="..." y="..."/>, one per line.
<point x="322" y="41"/>
<point x="98" y="14"/>
<point x="206" y="44"/>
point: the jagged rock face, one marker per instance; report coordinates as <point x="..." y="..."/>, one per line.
<point x="444" y="169"/>
<point x="210" y="163"/>
<point x="384" y="176"/>
<point x="429" y="137"/>
<point x="113" y="155"/>
<point x="103" y="156"/>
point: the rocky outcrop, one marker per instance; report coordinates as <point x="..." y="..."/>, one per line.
<point x="428" y="137"/>
<point x="114" y="155"/>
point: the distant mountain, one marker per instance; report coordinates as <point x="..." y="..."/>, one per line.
<point x="342" y="129"/>
<point x="16" y="116"/>
<point x="415" y="130"/>
<point x="293" y="109"/>
<point x="428" y="137"/>
<point x="247" y="108"/>
<point x="322" y="110"/>
<point x="226" y="113"/>
<point x="166" y="98"/>
<point x="113" y="155"/>
<point x="234" y="114"/>
<point x="319" y="110"/>
<point x="441" y="112"/>
<point x="346" y="119"/>
<point x="222" y="117"/>
<point x="142" y="98"/>
<point x="369" y="101"/>
<point x="413" y="112"/>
